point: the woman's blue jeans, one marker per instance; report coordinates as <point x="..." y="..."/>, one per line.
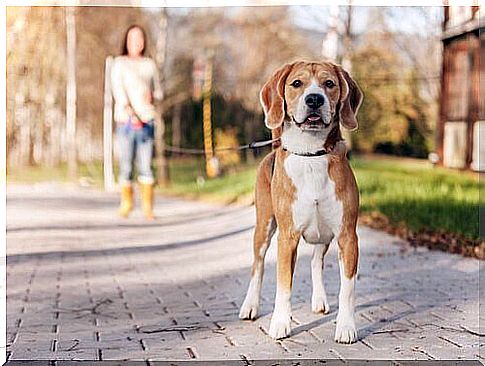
<point x="136" y="144"/>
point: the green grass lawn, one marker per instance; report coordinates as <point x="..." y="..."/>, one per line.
<point x="406" y="191"/>
<point x="420" y="196"/>
<point x="92" y="172"/>
<point x="233" y="186"/>
<point x="409" y="192"/>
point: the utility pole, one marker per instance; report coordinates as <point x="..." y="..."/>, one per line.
<point x="71" y="92"/>
<point x="161" y="47"/>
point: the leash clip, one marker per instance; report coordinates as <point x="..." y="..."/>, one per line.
<point x="258" y="144"/>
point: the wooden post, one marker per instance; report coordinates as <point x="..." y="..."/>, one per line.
<point x="71" y="92"/>
<point x="248" y="129"/>
<point x="108" y="128"/>
<point x="207" y="120"/>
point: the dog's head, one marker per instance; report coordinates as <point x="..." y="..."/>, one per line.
<point x="311" y="97"/>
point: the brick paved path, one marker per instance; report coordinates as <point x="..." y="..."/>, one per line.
<point x="83" y="284"/>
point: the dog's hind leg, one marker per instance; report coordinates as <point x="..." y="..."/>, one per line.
<point x="319" y="297"/>
<point x="264" y="231"/>
<point x="262" y="240"/>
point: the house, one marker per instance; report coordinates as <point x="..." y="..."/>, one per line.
<point x="461" y="123"/>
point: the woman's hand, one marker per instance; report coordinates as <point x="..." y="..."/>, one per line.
<point x="148" y="97"/>
<point x="131" y="112"/>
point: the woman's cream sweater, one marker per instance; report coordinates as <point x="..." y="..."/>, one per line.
<point x="132" y="81"/>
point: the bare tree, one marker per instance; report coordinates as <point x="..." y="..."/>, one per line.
<point x="37" y="71"/>
<point x="35" y="84"/>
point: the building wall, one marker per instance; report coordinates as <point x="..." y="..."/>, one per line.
<point x="461" y="105"/>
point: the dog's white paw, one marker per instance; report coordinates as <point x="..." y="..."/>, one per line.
<point x="249" y="310"/>
<point x="320" y="304"/>
<point x="280" y="327"/>
<point x="345" y="332"/>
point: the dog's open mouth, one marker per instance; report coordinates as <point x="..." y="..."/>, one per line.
<point x="312" y="122"/>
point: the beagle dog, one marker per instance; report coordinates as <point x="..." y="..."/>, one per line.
<point x="306" y="188"/>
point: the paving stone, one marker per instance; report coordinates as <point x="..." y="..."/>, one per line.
<point x="83" y="284"/>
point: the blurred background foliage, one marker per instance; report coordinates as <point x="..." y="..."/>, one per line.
<point x="394" y="55"/>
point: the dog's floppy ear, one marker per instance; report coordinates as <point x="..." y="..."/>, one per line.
<point x="272" y="97"/>
<point x="350" y="99"/>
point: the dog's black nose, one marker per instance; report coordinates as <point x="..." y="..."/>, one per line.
<point x="314" y="100"/>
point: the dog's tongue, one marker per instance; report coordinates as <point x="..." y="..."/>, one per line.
<point x="313" y="118"/>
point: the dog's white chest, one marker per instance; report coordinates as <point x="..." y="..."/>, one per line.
<point x="317" y="213"/>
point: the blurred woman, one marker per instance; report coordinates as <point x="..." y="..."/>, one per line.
<point x="135" y="84"/>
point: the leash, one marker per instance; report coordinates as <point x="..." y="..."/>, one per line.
<point x="252" y="145"/>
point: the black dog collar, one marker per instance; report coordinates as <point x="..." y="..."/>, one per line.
<point x="316" y="153"/>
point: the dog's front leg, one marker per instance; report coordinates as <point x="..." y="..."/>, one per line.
<point x="319" y="297"/>
<point x="287" y="250"/>
<point x="346" y="331"/>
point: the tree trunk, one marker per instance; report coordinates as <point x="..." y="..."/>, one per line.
<point x="176" y="125"/>
<point x="161" y="160"/>
<point x="22" y="120"/>
<point x="347" y="62"/>
<point x="71" y="92"/>
<point x="330" y="49"/>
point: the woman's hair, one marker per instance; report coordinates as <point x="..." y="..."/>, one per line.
<point x="124" y="46"/>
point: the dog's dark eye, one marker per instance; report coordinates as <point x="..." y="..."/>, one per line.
<point x="329" y="84"/>
<point x="296" y="84"/>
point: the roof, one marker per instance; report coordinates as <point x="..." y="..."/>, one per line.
<point x="464" y="28"/>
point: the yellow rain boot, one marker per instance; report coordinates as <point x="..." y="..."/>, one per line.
<point x="147" y="200"/>
<point x="126" y="204"/>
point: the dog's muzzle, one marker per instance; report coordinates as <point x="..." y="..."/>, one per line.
<point x="313" y="121"/>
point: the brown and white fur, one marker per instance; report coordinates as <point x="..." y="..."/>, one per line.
<point x="304" y="193"/>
